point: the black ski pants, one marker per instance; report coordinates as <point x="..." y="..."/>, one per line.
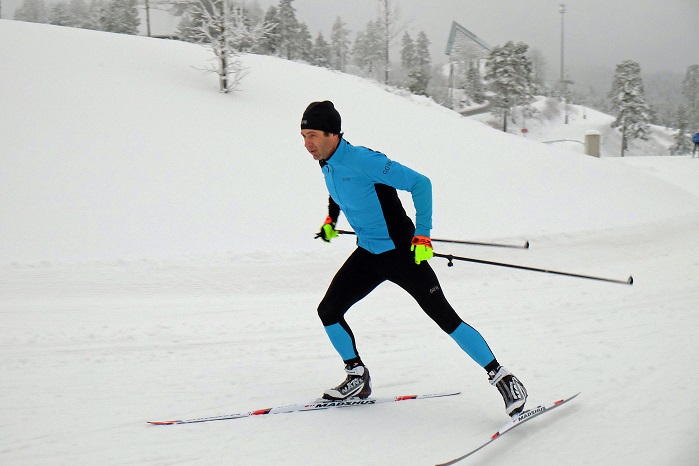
<point x="364" y="271"/>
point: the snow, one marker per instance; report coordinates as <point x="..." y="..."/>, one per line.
<point x="157" y="261"/>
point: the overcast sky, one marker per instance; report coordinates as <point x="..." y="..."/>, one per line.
<point x="658" y="34"/>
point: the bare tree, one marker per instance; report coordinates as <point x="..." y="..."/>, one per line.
<point x="225" y="29"/>
<point x="389" y="28"/>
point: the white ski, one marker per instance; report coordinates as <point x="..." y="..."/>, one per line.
<point x="312" y="406"/>
<point x="516" y="421"/>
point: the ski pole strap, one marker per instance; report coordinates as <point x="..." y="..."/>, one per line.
<point x="451" y="258"/>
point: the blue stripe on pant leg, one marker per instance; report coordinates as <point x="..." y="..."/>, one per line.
<point x="342" y="341"/>
<point x="473" y="343"/>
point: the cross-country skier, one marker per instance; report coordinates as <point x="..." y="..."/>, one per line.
<point x="362" y="184"/>
<point x="695" y="140"/>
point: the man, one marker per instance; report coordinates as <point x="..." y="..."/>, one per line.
<point x="362" y="184"/>
<point x="695" y="140"/>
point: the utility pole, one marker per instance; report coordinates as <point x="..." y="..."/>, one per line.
<point x="564" y="87"/>
<point x="147" y="17"/>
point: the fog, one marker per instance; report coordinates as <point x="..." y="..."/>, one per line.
<point x="662" y="35"/>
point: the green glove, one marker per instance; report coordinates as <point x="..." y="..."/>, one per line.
<point x="327" y="231"/>
<point x="422" y="248"/>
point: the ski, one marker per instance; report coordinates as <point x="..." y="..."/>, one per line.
<point x="516" y="421"/>
<point x="299" y="407"/>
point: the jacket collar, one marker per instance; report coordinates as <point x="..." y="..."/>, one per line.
<point x="338" y="155"/>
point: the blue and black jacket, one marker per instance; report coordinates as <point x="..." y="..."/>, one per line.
<point x="362" y="183"/>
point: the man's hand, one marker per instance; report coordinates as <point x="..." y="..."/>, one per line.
<point x="327" y="231"/>
<point x="422" y="248"/>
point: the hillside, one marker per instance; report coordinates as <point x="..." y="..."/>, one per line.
<point x="135" y="145"/>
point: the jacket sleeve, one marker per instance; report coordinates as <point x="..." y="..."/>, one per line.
<point x="333" y="209"/>
<point x="383" y="170"/>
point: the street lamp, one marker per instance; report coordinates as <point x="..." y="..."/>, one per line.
<point x="562" y="11"/>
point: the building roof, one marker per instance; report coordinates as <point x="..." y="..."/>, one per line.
<point x="457" y="28"/>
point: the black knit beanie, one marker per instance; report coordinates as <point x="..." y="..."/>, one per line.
<point x="323" y="117"/>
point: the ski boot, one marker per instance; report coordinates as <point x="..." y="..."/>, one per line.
<point x="511" y="389"/>
<point x="357" y="384"/>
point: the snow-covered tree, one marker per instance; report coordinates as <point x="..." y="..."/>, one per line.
<point x="59" y="14"/>
<point x="33" y="11"/>
<point x="270" y="44"/>
<point x="304" y="44"/>
<point x="627" y="99"/>
<point x="473" y="85"/>
<point x="682" y="142"/>
<point x="407" y="51"/>
<point x="368" y="49"/>
<point x="288" y="29"/>
<point x="120" y="16"/>
<point x="225" y="29"/>
<point x="79" y="12"/>
<point x="509" y="77"/>
<point x="538" y="71"/>
<point x="339" y="45"/>
<point x="94" y="12"/>
<point x="322" y="55"/>
<point x="419" y="67"/>
<point x="690" y="94"/>
<point x="415" y="59"/>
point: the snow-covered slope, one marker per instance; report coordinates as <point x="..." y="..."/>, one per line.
<point x="137" y="155"/>
<point x="157" y="260"/>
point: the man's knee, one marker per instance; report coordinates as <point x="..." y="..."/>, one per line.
<point x="328" y="313"/>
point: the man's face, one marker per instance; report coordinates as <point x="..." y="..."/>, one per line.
<point x="319" y="144"/>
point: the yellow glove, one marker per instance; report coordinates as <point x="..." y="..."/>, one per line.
<point x="327" y="231"/>
<point x="422" y="248"/>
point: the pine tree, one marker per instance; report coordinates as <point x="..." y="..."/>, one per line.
<point x="59" y="15"/>
<point x="288" y="29"/>
<point x="120" y="16"/>
<point x="407" y="52"/>
<point x="682" y="142"/>
<point x="628" y="102"/>
<point x="690" y="94"/>
<point x="473" y="86"/>
<point x="79" y="13"/>
<point x="420" y="73"/>
<point x="322" y="55"/>
<point x="509" y="76"/>
<point x="94" y="12"/>
<point x="33" y="11"/>
<point x="304" y="42"/>
<point x="339" y="45"/>
<point x="368" y="50"/>
<point x="538" y="71"/>
<point x="270" y="44"/>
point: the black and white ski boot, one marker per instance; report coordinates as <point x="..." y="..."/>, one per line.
<point x="511" y="389"/>
<point x="357" y="384"/>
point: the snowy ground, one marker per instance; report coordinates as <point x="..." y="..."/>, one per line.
<point x="157" y="261"/>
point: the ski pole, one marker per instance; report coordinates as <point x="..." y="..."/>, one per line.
<point x="451" y="258"/>
<point x="456" y="241"/>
